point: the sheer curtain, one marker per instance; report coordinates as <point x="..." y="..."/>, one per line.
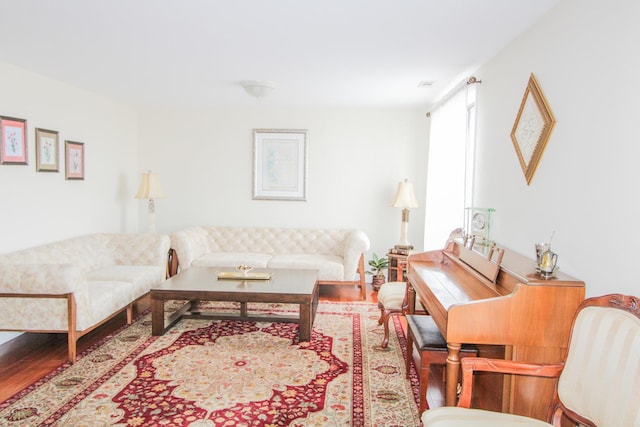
<point x="449" y="166"/>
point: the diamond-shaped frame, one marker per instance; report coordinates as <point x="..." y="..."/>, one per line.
<point x="532" y="128"/>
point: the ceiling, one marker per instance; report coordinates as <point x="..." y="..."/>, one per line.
<point x="194" y="53"/>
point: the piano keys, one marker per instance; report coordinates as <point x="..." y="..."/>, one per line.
<point x="481" y="295"/>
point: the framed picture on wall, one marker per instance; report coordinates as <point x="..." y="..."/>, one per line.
<point x="279" y="164"/>
<point x="74" y="160"/>
<point x="532" y="128"/>
<point x="14" y="141"/>
<point x="47" y="152"/>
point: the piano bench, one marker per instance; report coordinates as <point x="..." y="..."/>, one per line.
<point x="432" y="348"/>
<point x="392" y="300"/>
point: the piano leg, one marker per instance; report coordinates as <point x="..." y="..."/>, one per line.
<point x="411" y="299"/>
<point x="453" y="373"/>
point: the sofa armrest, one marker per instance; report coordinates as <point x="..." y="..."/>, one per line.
<point x="41" y="279"/>
<point x="138" y="249"/>
<point x="355" y="245"/>
<point x="189" y="244"/>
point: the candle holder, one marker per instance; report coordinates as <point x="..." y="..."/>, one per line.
<point x="548" y="264"/>
<point x="541" y="248"/>
<point x="244" y="269"/>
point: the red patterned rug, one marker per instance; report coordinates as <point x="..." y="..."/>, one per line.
<point x="231" y="373"/>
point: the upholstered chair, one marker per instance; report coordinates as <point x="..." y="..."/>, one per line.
<point x="392" y="300"/>
<point x="598" y="382"/>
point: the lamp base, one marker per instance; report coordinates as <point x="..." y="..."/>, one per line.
<point x="403" y="244"/>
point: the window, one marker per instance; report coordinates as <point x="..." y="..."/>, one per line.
<point x="450" y="165"/>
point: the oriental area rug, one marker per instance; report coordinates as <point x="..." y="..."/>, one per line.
<point x="206" y="373"/>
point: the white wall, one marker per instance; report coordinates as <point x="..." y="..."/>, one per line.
<point x="356" y="158"/>
<point x="204" y="158"/>
<point x="38" y="207"/>
<point x="584" y="54"/>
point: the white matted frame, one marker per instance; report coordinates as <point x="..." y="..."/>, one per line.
<point x="279" y="164"/>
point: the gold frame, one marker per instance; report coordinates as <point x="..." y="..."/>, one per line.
<point x="532" y="128"/>
<point x="47" y="156"/>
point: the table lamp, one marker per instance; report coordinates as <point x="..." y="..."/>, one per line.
<point x="405" y="199"/>
<point x="150" y="189"/>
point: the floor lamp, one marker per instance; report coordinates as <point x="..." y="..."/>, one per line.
<point x="405" y="199"/>
<point x="150" y="189"/>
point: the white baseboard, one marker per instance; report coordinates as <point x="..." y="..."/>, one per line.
<point x="8" y="336"/>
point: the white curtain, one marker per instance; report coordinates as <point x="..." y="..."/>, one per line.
<point x="446" y="170"/>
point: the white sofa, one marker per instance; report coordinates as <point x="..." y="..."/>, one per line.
<point x="74" y="285"/>
<point x="337" y="254"/>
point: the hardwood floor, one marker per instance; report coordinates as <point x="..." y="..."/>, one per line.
<point x="31" y="356"/>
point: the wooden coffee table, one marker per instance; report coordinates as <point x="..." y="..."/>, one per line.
<point x="202" y="284"/>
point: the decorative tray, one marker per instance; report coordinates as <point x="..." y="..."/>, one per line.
<point x="238" y="275"/>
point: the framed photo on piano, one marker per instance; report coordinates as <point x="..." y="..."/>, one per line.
<point x="532" y="128"/>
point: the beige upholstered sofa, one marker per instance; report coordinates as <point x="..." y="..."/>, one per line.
<point x="74" y="285"/>
<point x="337" y="254"/>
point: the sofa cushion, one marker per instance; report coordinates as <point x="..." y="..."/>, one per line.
<point x="330" y="267"/>
<point x="141" y="277"/>
<point x="270" y="240"/>
<point x="232" y="259"/>
<point x="87" y="252"/>
<point x="106" y="298"/>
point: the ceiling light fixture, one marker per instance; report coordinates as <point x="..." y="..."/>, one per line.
<point x="258" y="88"/>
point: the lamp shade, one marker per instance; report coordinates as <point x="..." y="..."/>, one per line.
<point x="405" y="196"/>
<point x="150" y="187"/>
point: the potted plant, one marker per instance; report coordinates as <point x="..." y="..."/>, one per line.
<point x="377" y="267"/>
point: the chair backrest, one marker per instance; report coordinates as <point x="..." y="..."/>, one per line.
<point x="601" y="377"/>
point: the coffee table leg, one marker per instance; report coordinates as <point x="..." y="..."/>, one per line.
<point x="243" y="310"/>
<point x="157" y="316"/>
<point x="304" y="330"/>
<point x="307" y="316"/>
<point x="314" y="306"/>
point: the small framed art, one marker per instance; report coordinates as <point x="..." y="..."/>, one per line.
<point x="74" y="160"/>
<point x="14" y="141"/>
<point x="532" y="128"/>
<point x="47" y="150"/>
<point x="279" y="164"/>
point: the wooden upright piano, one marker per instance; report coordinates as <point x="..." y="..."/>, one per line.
<point x="487" y="295"/>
